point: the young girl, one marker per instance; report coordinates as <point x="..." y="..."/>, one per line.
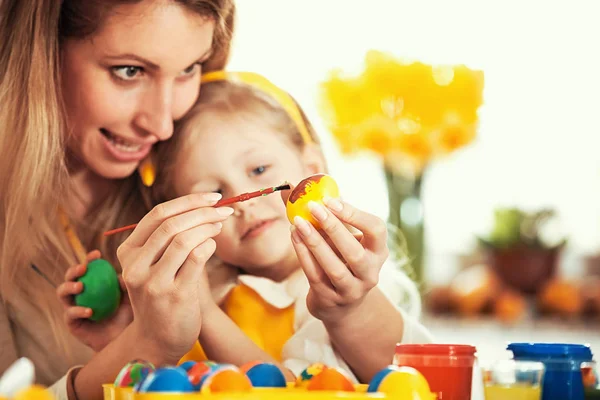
<point x="301" y="295"/>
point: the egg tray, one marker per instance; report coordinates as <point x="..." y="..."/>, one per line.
<point x="118" y="393"/>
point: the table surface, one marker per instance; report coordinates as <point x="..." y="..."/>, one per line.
<point x="491" y="337"/>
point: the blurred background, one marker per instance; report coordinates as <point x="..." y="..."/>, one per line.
<point x="505" y="228"/>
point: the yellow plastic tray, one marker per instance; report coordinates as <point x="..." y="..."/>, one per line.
<point x="114" y="393"/>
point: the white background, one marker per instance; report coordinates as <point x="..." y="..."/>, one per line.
<point x="538" y="140"/>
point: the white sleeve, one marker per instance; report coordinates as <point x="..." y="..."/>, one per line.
<point x="310" y="344"/>
<point x="402" y="292"/>
<point x="59" y="388"/>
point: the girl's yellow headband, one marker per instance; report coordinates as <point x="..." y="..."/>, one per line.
<point x="262" y="83"/>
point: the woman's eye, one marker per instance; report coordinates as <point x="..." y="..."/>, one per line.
<point x="191" y="70"/>
<point x="127" y="72"/>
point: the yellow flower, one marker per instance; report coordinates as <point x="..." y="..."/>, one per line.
<point x="407" y="112"/>
<point x="453" y="137"/>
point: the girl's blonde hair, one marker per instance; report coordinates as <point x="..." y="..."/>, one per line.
<point x="227" y="97"/>
<point x="34" y="180"/>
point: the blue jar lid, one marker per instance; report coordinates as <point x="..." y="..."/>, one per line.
<point x="551" y="351"/>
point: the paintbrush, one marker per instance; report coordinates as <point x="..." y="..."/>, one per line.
<point x="223" y="202"/>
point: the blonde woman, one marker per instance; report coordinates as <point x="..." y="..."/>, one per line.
<point x="86" y="89"/>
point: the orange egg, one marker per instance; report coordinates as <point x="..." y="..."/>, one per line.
<point x="331" y="379"/>
<point x="226" y="380"/>
<point x="313" y="188"/>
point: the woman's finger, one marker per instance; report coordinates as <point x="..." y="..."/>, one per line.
<point x="77" y="313"/>
<point x="163" y="236"/>
<point x="75" y="272"/>
<point x="67" y="290"/>
<point x="151" y="221"/>
<point x="180" y="249"/>
<point x="93" y="255"/>
<point x="194" y="267"/>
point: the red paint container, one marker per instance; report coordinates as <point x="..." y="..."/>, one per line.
<point x="447" y="367"/>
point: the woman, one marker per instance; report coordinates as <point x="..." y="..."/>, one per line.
<point x="87" y="88"/>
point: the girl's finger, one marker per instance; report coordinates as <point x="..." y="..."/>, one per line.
<point x="317" y="278"/>
<point x="343" y="241"/>
<point x="373" y="228"/>
<point x="339" y="274"/>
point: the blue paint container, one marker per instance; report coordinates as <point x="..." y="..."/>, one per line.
<point x="562" y="379"/>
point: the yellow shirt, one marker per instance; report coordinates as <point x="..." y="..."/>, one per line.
<point x="266" y="324"/>
<point x="274" y="315"/>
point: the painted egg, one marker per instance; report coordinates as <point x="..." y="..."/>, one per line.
<point x="264" y="374"/>
<point x="331" y="378"/>
<point x="34" y="392"/>
<point x="402" y="383"/>
<point x="313" y="188"/>
<point x="199" y="371"/>
<point x="166" y="379"/>
<point x="101" y="290"/>
<point x="226" y="379"/>
<point x="186" y="366"/>
<point x="132" y="373"/>
<point x="310" y="372"/>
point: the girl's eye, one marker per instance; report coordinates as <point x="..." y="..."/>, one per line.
<point x="259" y="170"/>
<point x="127" y="72"/>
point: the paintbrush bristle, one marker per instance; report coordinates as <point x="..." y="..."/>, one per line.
<point x="283" y="187"/>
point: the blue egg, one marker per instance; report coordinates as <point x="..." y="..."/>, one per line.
<point x="187" y="365"/>
<point x="266" y="375"/>
<point x="380" y="376"/>
<point x="167" y="379"/>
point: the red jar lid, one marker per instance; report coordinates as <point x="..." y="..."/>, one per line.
<point x="434" y="349"/>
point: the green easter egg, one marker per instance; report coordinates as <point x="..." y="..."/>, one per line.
<point x="101" y="290"/>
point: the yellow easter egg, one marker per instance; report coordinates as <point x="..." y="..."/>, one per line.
<point x="313" y="188"/>
<point x="34" y="392"/>
<point x="406" y="383"/>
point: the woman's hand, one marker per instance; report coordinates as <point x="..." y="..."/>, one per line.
<point x="95" y="335"/>
<point x="163" y="263"/>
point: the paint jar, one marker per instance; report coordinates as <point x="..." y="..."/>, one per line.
<point x="590" y="377"/>
<point x="447" y="367"/>
<point x="515" y="380"/>
<point x="562" y="362"/>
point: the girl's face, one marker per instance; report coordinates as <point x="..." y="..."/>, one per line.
<point x="235" y="154"/>
<point x="124" y="86"/>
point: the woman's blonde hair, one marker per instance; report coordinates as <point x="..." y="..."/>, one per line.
<point x="34" y="179"/>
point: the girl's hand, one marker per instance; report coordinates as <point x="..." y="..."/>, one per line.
<point x="341" y="267"/>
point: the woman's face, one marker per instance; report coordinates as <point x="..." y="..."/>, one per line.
<point x="124" y="86"/>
